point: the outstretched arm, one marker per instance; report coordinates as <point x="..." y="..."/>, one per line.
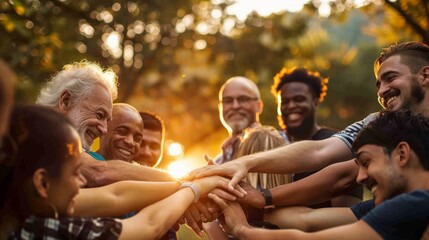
<point x="310" y="220"/>
<point x="100" y="173"/>
<point x="296" y="157"/>
<point x="236" y="224"/>
<point x="153" y="221"/>
<point x="329" y="182"/>
<point x="120" y="198"/>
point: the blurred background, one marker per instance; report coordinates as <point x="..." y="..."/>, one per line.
<point x="172" y="56"/>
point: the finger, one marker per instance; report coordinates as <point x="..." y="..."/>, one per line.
<point x="240" y="189"/>
<point x="223" y="194"/>
<point x="190" y="221"/>
<point x="205" y="214"/>
<point x="234" y="182"/>
<point x="221" y="203"/>
<point x="209" y="160"/>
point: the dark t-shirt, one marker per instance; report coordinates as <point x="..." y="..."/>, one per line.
<point x="405" y="216"/>
<point x="324" y="133"/>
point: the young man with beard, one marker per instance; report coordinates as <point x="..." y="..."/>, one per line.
<point x="124" y="134"/>
<point x="299" y="92"/>
<point x="402" y="73"/>
<point x="84" y="92"/>
<point x="240" y="105"/>
<point x="392" y="156"/>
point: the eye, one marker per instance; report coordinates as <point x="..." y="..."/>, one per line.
<point x="99" y="115"/>
<point x="138" y="138"/>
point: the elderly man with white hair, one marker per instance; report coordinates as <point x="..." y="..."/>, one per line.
<point x="84" y="92"/>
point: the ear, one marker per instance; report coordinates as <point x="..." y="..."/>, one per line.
<point x="41" y="183"/>
<point x="425" y="74"/>
<point x="404" y="153"/>
<point x="64" y="102"/>
<point x="316" y="102"/>
<point x="260" y="106"/>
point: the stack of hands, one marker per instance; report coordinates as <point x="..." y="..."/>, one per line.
<point x="220" y="199"/>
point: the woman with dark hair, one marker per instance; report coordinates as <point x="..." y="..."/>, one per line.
<point x="41" y="180"/>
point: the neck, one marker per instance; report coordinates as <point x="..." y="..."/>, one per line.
<point x="418" y="180"/>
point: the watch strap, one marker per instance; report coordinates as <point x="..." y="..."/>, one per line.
<point x="268" y="198"/>
<point x="194" y="188"/>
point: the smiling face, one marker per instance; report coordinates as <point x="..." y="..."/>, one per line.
<point x="240" y="106"/>
<point x="150" y="148"/>
<point x="297" y="107"/>
<point x="91" y="114"/>
<point x="124" y="134"/>
<point x="380" y="172"/>
<point x="63" y="189"/>
<point x="398" y="88"/>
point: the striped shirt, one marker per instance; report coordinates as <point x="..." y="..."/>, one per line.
<point x="348" y="135"/>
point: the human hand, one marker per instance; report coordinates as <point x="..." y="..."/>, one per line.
<point x="208" y="184"/>
<point x="253" y="197"/>
<point x="235" y="169"/>
<point x="233" y="216"/>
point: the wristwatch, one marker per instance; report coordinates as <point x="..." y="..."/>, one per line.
<point x="194" y="188"/>
<point x="268" y="198"/>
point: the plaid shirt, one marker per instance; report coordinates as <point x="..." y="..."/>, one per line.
<point x="68" y="228"/>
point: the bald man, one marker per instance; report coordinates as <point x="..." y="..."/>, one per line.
<point x="124" y="134"/>
<point x="240" y="105"/>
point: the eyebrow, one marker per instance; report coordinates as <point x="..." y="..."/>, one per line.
<point x="382" y="76"/>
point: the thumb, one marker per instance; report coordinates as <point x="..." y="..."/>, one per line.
<point x="209" y="160"/>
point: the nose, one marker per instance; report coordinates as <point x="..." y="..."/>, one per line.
<point x="382" y="90"/>
<point x="145" y="150"/>
<point x="362" y="175"/>
<point x="102" y="127"/>
<point x="235" y="103"/>
<point x="129" y="140"/>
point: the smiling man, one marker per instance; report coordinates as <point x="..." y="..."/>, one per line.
<point x="299" y="92"/>
<point x="240" y="105"/>
<point x="392" y="156"/>
<point x="402" y="73"/>
<point x="84" y="92"/>
<point x="124" y="134"/>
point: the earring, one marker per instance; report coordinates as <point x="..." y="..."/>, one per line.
<point x="55" y="210"/>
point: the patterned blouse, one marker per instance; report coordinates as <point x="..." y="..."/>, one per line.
<point x="68" y="228"/>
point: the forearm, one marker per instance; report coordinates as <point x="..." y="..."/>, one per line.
<point x="310" y="220"/>
<point x="121" y="197"/>
<point x="250" y="233"/>
<point x="301" y="156"/>
<point x="100" y="173"/>
<point x="154" y="220"/>
<point x="329" y="182"/>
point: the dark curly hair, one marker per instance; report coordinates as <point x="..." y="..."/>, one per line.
<point x="392" y="127"/>
<point x="317" y="84"/>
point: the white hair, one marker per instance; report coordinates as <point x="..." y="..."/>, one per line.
<point x="78" y="79"/>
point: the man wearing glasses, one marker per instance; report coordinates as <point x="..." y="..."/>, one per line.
<point x="240" y="105"/>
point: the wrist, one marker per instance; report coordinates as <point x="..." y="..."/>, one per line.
<point x="240" y="231"/>
<point x="195" y="189"/>
<point x="266" y="193"/>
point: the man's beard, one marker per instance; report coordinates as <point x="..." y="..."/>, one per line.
<point x="239" y="126"/>
<point x="417" y="95"/>
<point x="301" y="130"/>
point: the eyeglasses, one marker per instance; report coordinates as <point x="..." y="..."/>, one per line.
<point x="242" y="100"/>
